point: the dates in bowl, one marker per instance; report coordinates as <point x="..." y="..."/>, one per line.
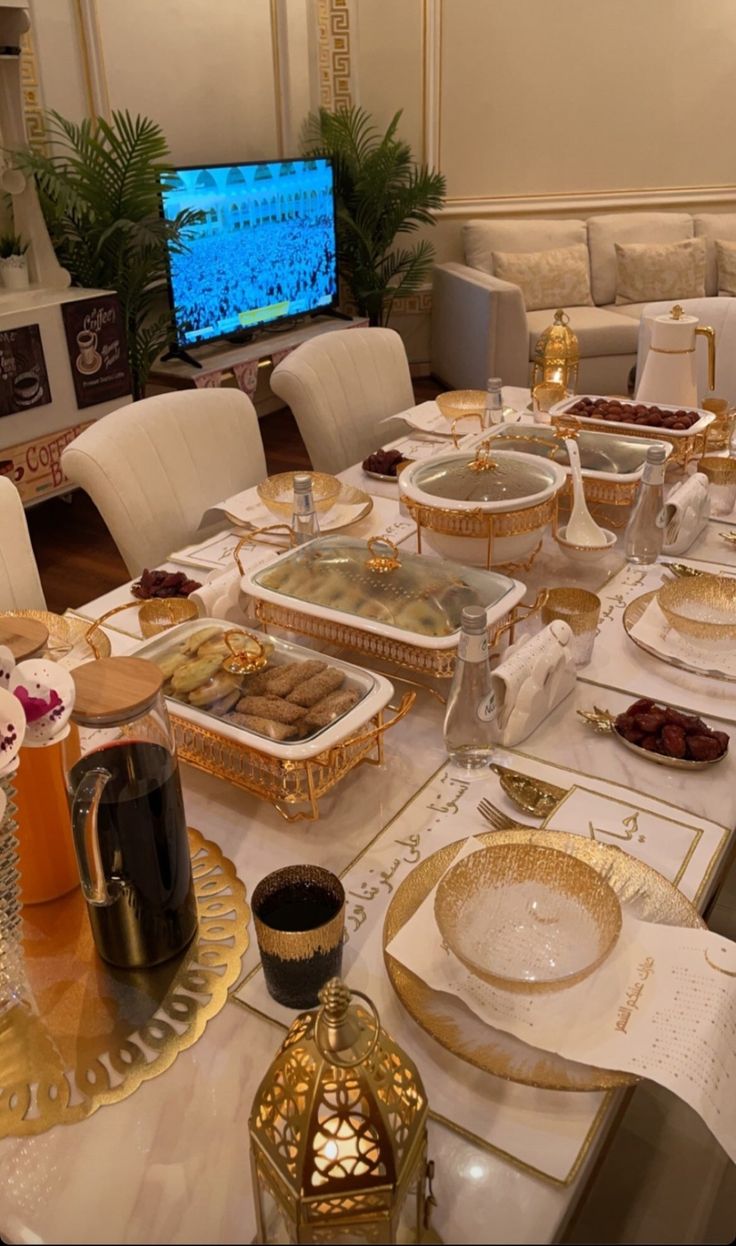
<point x="670" y="736"/>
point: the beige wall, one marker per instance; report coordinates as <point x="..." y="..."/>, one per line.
<point x="529" y="106"/>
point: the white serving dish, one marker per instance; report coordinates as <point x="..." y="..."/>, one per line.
<point x="488" y="584"/>
<point x="376" y="689"/>
<point x="625" y="454"/>
<point x="416" y="484"/>
<point x="643" y="430"/>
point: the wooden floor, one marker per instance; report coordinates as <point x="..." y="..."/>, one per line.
<point x="76" y="555"/>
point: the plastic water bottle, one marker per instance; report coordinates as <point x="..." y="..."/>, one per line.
<point x="471" y="707"/>
<point x="304" y="521"/>
<point x="644" y="535"/>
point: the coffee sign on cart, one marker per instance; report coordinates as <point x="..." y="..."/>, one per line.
<point x="98" y="352"/>
<point x="24" y="381"/>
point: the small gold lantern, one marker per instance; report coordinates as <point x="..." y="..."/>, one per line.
<point x="555" y="364"/>
<point x="338" y="1132"/>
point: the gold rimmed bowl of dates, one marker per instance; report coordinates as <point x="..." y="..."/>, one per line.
<point x="701" y="608"/>
<point x="662" y="734"/>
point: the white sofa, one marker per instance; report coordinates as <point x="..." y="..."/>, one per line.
<point x="480" y="326"/>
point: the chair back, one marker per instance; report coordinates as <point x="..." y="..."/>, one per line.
<point x="340" y="386"/>
<point x="153" y="468"/>
<point x="20" y="583"/>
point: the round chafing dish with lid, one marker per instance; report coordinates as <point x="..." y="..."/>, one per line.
<point x="487" y="506"/>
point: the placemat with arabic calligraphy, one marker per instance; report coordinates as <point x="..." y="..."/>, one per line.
<point x="549" y="1132"/>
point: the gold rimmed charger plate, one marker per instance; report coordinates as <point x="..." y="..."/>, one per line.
<point x="66" y="633"/>
<point x="634" y="612"/>
<point x="647" y="894"/>
<point x="349" y="495"/>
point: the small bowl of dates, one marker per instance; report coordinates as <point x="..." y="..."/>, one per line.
<point x="663" y="734"/>
<point x="384" y="464"/>
<point x="161" y="584"/>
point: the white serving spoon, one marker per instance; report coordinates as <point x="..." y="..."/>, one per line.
<point x="581" y="526"/>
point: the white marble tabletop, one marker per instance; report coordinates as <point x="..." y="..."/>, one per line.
<point x="170" y="1163"/>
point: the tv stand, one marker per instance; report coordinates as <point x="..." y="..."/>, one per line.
<point x="178" y="352"/>
<point x="222" y="361"/>
<point x="334" y="312"/>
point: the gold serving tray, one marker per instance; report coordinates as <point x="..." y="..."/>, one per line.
<point x="92" y="1034"/>
<point x="634" y="612"/>
<point x="449" y="1021"/>
<point x="684" y="448"/>
<point x="66" y="632"/>
<point x="285" y="783"/>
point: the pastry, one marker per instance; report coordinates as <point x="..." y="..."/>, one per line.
<point x="199" y="637"/>
<point x="332" y="707"/>
<point x="194" y="672"/>
<point x="220" y="708"/>
<point x="170" y="663"/>
<point x="283" y="679"/>
<point x="271" y="707"/>
<point x="264" y="726"/>
<point x="218" y="686"/>
<point x="316" y="688"/>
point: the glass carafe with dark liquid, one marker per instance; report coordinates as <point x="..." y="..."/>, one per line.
<point x="128" y="819"/>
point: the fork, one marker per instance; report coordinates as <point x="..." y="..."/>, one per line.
<point x="499" y="820"/>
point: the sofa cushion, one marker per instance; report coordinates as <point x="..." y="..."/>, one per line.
<point x="599" y="330"/>
<point x="547" y="278"/>
<point x="648" y="271"/>
<point x="713" y="226"/>
<point x="605" y="231"/>
<point x="726" y="260"/>
<point x="633" y="310"/>
<point x="482" y="238"/>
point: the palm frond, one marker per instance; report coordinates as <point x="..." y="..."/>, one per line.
<point x="381" y="193"/>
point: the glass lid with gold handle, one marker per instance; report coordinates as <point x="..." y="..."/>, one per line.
<point x="482" y="476"/>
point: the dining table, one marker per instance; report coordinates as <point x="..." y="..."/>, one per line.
<point x="512" y="1161"/>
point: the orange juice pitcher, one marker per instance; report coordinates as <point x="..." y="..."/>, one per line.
<point x="47" y="861"/>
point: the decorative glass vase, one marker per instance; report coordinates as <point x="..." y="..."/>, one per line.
<point x="11" y="946"/>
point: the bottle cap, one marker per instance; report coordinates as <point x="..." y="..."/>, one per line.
<point x="474" y="620"/>
<point x="657" y="453"/>
<point x="494" y="382"/>
<point x="302" y="483"/>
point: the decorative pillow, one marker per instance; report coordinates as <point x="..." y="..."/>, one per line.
<point x="726" y="256"/>
<point x="556" y="278"/>
<point x="647" y="272"/>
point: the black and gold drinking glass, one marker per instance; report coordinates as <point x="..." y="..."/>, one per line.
<point x="299" y="916"/>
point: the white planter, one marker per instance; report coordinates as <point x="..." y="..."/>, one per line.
<point x="14" y="272"/>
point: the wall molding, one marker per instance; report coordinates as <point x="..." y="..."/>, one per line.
<point x="589" y="201"/>
<point x="33" y="106"/>
<point x="336" y="69"/>
<point x="93" y="58"/>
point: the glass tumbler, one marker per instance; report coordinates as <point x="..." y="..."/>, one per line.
<point x="721" y="475"/>
<point x="581" y="610"/>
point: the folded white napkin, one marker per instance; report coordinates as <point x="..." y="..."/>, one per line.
<point x="688" y="507"/>
<point x="219" y="598"/>
<point x="536" y="674"/>
<point x="654" y="630"/>
<point x="426" y="417"/>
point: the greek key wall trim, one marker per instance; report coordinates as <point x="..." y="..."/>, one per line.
<point x="32" y="99"/>
<point x="334" y="43"/>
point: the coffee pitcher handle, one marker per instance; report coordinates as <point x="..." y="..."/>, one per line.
<point x="85" y="804"/>
<point x="707" y="332"/>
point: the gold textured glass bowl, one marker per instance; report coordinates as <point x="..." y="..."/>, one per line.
<point x="158" y="614"/>
<point x="459" y="402"/>
<point x="701" y="608"/>
<point x="527" y="918"/>
<point x="277" y="492"/>
<point x="719" y="471"/>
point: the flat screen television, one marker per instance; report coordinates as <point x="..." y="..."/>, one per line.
<point x="264" y="250"/>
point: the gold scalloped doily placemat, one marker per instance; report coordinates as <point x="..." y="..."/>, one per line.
<point x="89" y="1034"/>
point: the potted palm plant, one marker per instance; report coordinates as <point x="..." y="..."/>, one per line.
<point x="382" y="193"/>
<point x="13" y="262"/>
<point x="99" y="188"/>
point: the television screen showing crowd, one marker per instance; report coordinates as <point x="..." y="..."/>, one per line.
<point x="263" y="249"/>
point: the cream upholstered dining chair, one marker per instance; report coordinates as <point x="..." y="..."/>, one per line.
<point x="153" y="468"/>
<point x="340" y="386"/>
<point x="20" y="584"/>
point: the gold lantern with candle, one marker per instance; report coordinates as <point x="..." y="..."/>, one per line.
<point x="554" y="372"/>
<point x="338" y="1131"/>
